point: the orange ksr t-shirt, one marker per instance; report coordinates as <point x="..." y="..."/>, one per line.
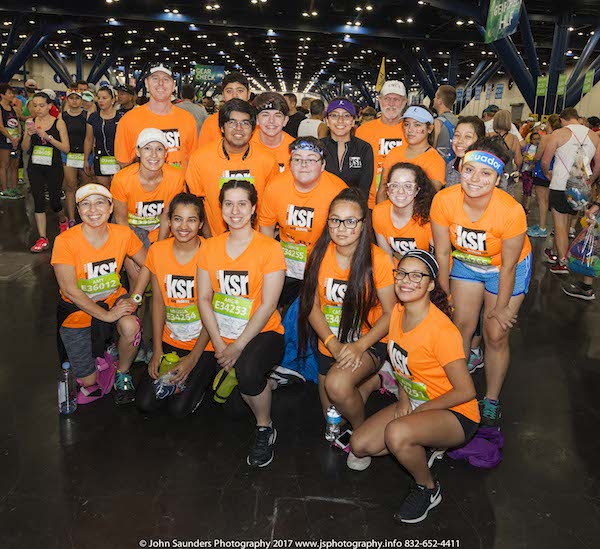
<point x="235" y="281"/>
<point x="382" y="139"/>
<point x="97" y="270"/>
<point x="333" y="282"/>
<point x="431" y="162"/>
<point x="301" y="216"/>
<point x="144" y="208"/>
<point x="179" y="127"/>
<point x="281" y="152"/>
<point x="178" y="289"/>
<point x="210" y="168"/>
<point x="420" y="355"/>
<point x="210" y="130"/>
<point x="479" y="243"/>
<point x="410" y="237"/>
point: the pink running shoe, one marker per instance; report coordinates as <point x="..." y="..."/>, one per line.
<point x="63" y="225"/>
<point x="40" y="245"/>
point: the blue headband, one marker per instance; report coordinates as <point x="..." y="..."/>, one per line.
<point x="306" y="146"/>
<point x="484" y="157"/>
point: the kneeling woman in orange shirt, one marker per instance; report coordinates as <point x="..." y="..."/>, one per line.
<point x="436" y="405"/>
<point x="347" y="298"/>
<point x="240" y="278"/>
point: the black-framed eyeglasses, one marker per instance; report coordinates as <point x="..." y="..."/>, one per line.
<point x="306" y="161"/>
<point x="244" y="124"/>
<point x="350" y="223"/>
<point x="413" y="276"/>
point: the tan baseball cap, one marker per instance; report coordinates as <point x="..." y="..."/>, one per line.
<point x="91" y="189"/>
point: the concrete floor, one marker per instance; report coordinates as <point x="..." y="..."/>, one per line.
<point x="109" y="477"/>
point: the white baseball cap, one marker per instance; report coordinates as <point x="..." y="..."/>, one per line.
<point x="50" y="93"/>
<point x="150" y="135"/>
<point x="90" y="189"/>
<point x="393" y="86"/>
<point x="160" y="68"/>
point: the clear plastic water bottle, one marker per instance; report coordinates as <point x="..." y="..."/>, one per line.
<point x="332" y="429"/>
<point x="67" y="390"/>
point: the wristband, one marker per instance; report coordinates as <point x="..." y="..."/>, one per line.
<point x="328" y="338"/>
<point x="137" y="299"/>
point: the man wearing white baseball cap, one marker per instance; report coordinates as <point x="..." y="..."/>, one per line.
<point x="178" y="125"/>
<point x="385" y="133"/>
<point x="87" y="260"/>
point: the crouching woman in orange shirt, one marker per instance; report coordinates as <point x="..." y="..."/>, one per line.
<point x="436" y="405"/>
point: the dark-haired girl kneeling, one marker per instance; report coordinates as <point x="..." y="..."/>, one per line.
<point x="347" y="298"/>
<point x="436" y="405"/>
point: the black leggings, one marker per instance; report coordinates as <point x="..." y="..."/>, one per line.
<point x="181" y="404"/>
<point x="45" y="176"/>
<point x="258" y="358"/>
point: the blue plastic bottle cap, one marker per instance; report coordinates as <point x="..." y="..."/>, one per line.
<point x="66" y="365"/>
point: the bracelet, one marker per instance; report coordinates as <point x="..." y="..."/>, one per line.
<point x="327" y="339"/>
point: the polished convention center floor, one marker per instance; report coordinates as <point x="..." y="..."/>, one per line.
<point x="108" y="477"/>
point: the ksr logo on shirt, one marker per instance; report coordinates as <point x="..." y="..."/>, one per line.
<point x="386" y="145"/>
<point x="399" y="358"/>
<point x="234" y="282"/>
<point x="100" y="268"/>
<point x="236" y="174"/>
<point x="298" y="216"/>
<point x="179" y="287"/>
<point x="335" y="290"/>
<point x="402" y="245"/>
<point x="471" y="239"/>
<point x="149" y="209"/>
<point x="173" y="139"/>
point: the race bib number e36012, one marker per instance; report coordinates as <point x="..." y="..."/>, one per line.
<point x="100" y="287"/>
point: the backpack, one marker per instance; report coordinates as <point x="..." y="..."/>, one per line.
<point x="447" y="155"/>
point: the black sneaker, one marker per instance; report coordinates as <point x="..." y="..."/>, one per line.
<point x="576" y="290"/>
<point x="418" y="503"/>
<point x="261" y="453"/>
<point x="284" y="376"/>
<point x="124" y="389"/>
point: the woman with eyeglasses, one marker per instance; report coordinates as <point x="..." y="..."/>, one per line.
<point x="240" y="277"/>
<point x="100" y="138"/>
<point x="401" y="223"/>
<point x="436" y="405"/>
<point x="347" y="156"/>
<point x="418" y="132"/>
<point x="485" y="259"/>
<point x="347" y="299"/>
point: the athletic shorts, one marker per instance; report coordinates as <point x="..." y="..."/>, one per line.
<point x="468" y="425"/>
<point x="558" y="202"/>
<point x="490" y="279"/>
<point x="539" y="182"/>
<point x="377" y="351"/>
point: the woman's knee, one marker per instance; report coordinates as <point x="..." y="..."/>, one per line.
<point x="397" y="435"/>
<point x="338" y="384"/>
<point x="128" y="327"/>
<point x="494" y="335"/>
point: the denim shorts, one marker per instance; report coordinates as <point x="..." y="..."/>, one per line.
<point x="490" y="279"/>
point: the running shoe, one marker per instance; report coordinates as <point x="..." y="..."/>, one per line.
<point x="418" y="503"/>
<point x="12" y="194"/>
<point x="40" y="245"/>
<point x="578" y="291"/>
<point x="124" y="389"/>
<point x="572" y="233"/>
<point x="434" y="454"/>
<point x="559" y="268"/>
<point x="491" y="412"/>
<point x="358" y="464"/>
<point x="285" y="376"/>
<point x="537" y="232"/>
<point x="549" y="256"/>
<point x="261" y="454"/>
<point x="63" y="225"/>
<point x="475" y="360"/>
<point x="63" y="196"/>
<point x="5" y="195"/>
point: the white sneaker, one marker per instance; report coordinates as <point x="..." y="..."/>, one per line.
<point x="356" y="463"/>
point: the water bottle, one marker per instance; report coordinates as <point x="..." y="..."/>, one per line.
<point x="67" y="390"/>
<point x="167" y="363"/>
<point x="332" y="429"/>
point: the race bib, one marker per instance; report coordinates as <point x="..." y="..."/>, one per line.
<point x="75" y="160"/>
<point x="295" y="259"/>
<point x="183" y="322"/>
<point x="378" y="175"/>
<point x="480" y="260"/>
<point x="146" y="223"/>
<point x="108" y="165"/>
<point x="13" y="132"/>
<point x="42" y="156"/>
<point x="100" y="287"/>
<point x="232" y="313"/>
<point x="333" y="315"/>
<point x="223" y="180"/>
<point x="416" y="391"/>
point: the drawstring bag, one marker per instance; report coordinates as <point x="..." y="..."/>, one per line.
<point x="578" y="190"/>
<point x="583" y="256"/>
<point x="484" y="450"/>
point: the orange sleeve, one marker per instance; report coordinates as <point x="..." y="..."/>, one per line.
<point x="209" y="131"/>
<point x="205" y="251"/>
<point x="437" y="168"/>
<point x="149" y="263"/>
<point x="273" y="259"/>
<point x="274" y="171"/>
<point x="193" y="177"/>
<point x="266" y="213"/>
<point x="438" y="211"/>
<point x="447" y="343"/>
<point x="378" y="217"/>
<point x="117" y="187"/>
<point x="134" y="245"/>
<point x="515" y="222"/>
<point x="124" y="149"/>
<point x="383" y="268"/>
<point x="61" y="252"/>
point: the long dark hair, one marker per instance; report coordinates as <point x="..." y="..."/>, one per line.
<point x="361" y="295"/>
<point x="241" y="184"/>
<point x="426" y="191"/>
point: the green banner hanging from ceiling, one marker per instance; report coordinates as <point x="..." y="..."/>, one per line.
<point x="502" y="20"/>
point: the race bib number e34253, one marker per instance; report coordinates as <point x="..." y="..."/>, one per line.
<point x="232" y="314"/>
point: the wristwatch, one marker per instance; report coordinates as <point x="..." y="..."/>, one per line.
<point x="50" y="138"/>
<point x="137" y="298"/>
